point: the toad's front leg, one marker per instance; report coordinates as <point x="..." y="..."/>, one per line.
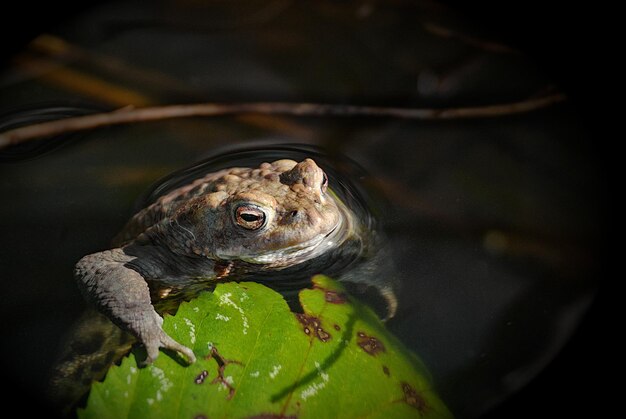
<point x="108" y="281"/>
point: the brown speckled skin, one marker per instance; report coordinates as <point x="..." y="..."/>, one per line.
<point x="182" y="235"/>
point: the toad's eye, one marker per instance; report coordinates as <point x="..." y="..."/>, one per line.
<point x="250" y="217"/>
<point x="324" y="183"/>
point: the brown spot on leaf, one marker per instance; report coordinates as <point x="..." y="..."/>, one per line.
<point x="386" y="370"/>
<point x="221" y="366"/>
<point x="337" y="328"/>
<point x="413" y="398"/>
<point x="369" y="344"/>
<point x="201" y="416"/>
<point x="201" y="377"/>
<point x="332" y="296"/>
<point x="322" y="334"/>
<point x="335" y="297"/>
<point x="312" y="323"/>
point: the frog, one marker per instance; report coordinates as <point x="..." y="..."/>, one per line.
<point x="242" y="219"/>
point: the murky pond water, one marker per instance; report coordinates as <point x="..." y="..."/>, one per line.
<point x="492" y="223"/>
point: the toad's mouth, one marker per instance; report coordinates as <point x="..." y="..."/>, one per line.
<point x="292" y="255"/>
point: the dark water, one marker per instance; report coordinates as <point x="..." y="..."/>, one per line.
<point x="494" y="224"/>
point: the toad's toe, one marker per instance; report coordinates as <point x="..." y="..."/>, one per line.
<point x="169" y="343"/>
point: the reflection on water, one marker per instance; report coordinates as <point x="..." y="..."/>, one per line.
<point x="492" y="224"/>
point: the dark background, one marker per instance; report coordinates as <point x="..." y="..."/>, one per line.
<point x="567" y="41"/>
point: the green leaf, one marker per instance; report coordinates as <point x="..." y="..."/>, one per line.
<point x="257" y="359"/>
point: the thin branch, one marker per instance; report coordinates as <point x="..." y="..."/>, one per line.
<point x="486" y="45"/>
<point x="131" y="115"/>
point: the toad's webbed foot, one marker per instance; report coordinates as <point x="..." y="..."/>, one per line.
<point x="391" y="299"/>
<point x="109" y="282"/>
<point x="153" y="338"/>
<point x="381" y="298"/>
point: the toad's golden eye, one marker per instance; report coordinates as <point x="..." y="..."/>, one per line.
<point x="250" y="217"/>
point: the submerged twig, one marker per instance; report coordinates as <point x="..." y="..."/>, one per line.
<point x="129" y="115"/>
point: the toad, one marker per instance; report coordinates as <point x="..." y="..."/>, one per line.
<point x="272" y="217"/>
